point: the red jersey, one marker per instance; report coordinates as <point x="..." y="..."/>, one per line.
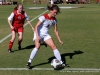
<point x="18" y="19"/>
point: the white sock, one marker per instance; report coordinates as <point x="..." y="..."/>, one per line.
<point x="57" y="55"/>
<point x="33" y="53"/>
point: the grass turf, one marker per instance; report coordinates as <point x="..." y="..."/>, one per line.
<point x="79" y="29"/>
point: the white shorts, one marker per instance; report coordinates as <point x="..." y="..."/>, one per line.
<point x="42" y="37"/>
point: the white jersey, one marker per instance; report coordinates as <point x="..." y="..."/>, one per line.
<point x="47" y="22"/>
<point x="52" y="2"/>
<point x="43" y="30"/>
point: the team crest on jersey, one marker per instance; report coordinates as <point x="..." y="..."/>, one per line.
<point x="19" y="17"/>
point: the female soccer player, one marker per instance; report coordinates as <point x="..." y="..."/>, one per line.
<point x="16" y="21"/>
<point x="41" y="33"/>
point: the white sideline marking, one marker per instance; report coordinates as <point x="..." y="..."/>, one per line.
<point x="24" y="25"/>
<point x="62" y="7"/>
<point x="66" y="69"/>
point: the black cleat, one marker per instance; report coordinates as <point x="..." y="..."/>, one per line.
<point x="28" y="65"/>
<point x="10" y="51"/>
<point x="19" y="47"/>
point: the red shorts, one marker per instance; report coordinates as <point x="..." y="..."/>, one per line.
<point x="21" y="29"/>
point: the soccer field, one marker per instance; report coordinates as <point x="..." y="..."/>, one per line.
<point x="79" y="30"/>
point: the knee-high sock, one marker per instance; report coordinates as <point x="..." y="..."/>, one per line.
<point x="57" y="55"/>
<point x="33" y="53"/>
<point x="10" y="45"/>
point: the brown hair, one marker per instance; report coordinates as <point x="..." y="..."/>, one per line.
<point x="54" y="7"/>
<point x="18" y="6"/>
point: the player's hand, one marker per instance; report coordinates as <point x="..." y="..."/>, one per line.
<point x="12" y="27"/>
<point x="37" y="38"/>
<point x="61" y="42"/>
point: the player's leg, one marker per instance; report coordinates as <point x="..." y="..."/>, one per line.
<point x="49" y="41"/>
<point x="56" y="52"/>
<point x="20" y="37"/>
<point x="11" y="42"/>
<point x="52" y="45"/>
<point x="34" y="51"/>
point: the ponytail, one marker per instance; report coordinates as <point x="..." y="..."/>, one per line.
<point x="53" y="7"/>
<point x="15" y="8"/>
<point x="48" y="7"/>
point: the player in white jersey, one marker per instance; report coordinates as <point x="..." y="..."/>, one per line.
<point x="52" y="2"/>
<point x="45" y="26"/>
<point x="41" y="33"/>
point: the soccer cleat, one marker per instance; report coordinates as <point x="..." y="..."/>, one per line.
<point x="19" y="47"/>
<point x="28" y="65"/>
<point x="10" y="51"/>
<point x="65" y="65"/>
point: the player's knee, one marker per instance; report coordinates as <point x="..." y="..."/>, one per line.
<point x="53" y="47"/>
<point x="20" y="37"/>
<point x="37" y="47"/>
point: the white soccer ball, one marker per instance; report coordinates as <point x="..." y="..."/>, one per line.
<point x="55" y="63"/>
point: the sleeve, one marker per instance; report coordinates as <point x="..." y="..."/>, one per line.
<point x="41" y="18"/>
<point x="11" y="16"/>
<point x="26" y="17"/>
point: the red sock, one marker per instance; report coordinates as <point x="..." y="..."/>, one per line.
<point x="10" y="45"/>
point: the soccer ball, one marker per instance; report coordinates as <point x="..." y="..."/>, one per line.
<point x="55" y="63"/>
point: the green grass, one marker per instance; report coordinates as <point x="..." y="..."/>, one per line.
<point x="79" y="29"/>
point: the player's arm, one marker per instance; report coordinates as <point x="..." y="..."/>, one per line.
<point x="36" y="29"/>
<point x="27" y="19"/>
<point x="57" y="34"/>
<point x="9" y="20"/>
<point x="30" y="25"/>
<point x="41" y="19"/>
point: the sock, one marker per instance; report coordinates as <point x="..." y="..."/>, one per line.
<point x="57" y="55"/>
<point x="33" y="53"/>
<point x="19" y="42"/>
<point x="10" y="45"/>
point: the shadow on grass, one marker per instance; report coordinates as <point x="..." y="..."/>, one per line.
<point x="67" y="54"/>
<point x="30" y="47"/>
<point x="27" y="47"/>
<point x="63" y="58"/>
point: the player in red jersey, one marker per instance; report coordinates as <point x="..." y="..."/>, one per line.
<point x="16" y="21"/>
